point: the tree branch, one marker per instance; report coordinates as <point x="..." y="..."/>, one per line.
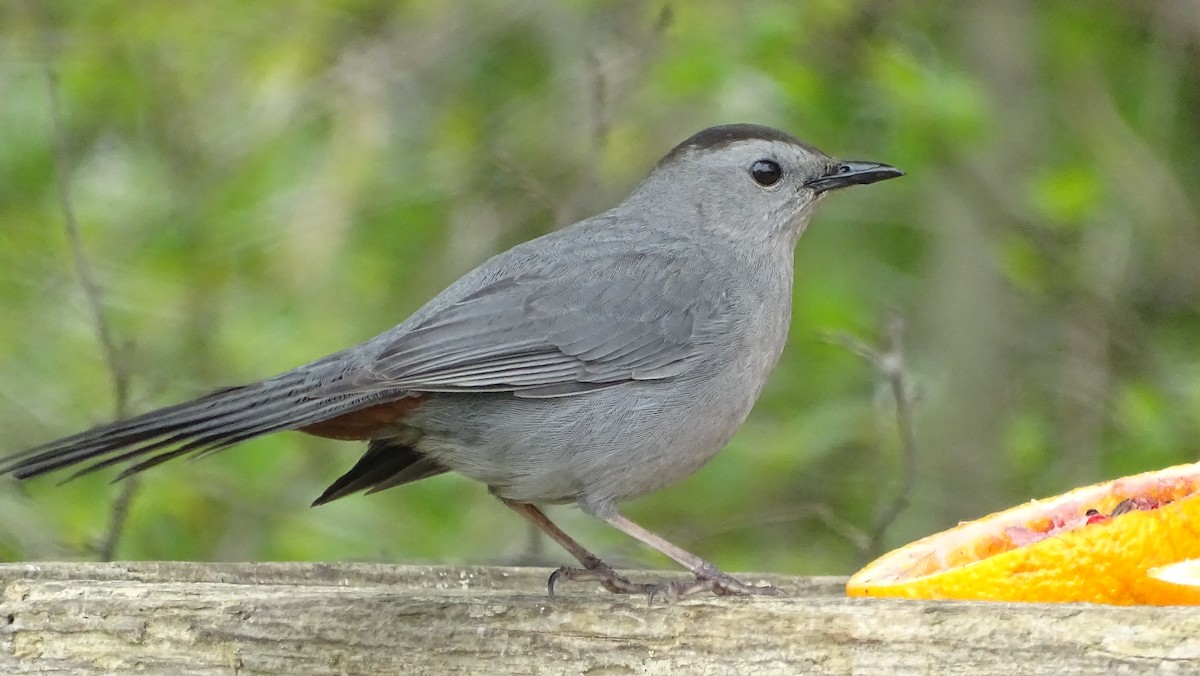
<point x="114" y="356"/>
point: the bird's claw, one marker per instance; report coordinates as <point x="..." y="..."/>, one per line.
<point x="712" y="580"/>
<point x="598" y="571"/>
<point x="707" y="579"/>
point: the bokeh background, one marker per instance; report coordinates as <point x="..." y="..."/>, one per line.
<point x="258" y="184"/>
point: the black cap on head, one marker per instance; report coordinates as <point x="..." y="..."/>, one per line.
<point x="723" y="135"/>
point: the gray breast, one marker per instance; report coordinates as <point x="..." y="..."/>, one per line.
<point x="627" y="440"/>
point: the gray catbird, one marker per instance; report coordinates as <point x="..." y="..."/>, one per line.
<point x="597" y="363"/>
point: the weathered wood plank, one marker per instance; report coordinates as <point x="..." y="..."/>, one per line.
<point x="298" y="618"/>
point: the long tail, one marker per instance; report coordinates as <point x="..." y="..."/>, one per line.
<point x="201" y="426"/>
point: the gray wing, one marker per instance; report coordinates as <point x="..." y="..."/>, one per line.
<point x="562" y="332"/>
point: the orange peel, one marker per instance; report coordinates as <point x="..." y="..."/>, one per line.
<point x="1081" y="546"/>
<point x="1174" y="584"/>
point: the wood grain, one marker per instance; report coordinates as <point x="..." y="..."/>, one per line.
<point x="306" y="618"/>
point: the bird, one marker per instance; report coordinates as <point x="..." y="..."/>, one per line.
<point x="600" y="362"/>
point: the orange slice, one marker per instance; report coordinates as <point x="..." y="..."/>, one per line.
<point x="1095" y="544"/>
<point x="1177" y="583"/>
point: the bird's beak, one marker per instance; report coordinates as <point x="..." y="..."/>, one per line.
<point x="853" y="173"/>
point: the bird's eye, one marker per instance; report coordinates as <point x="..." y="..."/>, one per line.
<point x="766" y="172"/>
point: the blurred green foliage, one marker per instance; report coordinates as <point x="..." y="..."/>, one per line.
<point x="258" y="184"/>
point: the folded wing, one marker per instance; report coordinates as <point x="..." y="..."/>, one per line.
<point x="638" y="317"/>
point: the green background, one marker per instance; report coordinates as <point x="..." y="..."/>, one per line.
<point x="258" y="184"/>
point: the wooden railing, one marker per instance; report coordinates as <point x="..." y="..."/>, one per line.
<point x="303" y="618"/>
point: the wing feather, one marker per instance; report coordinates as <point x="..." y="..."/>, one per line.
<point x="562" y="331"/>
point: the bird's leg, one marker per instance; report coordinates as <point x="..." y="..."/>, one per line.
<point x="593" y="568"/>
<point x="708" y="576"/>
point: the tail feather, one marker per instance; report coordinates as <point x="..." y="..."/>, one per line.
<point x="201" y="439"/>
<point x="140" y="434"/>
<point x="212" y="442"/>
<point x="386" y="463"/>
<point x="201" y="426"/>
<point x="125" y="433"/>
<point x="160" y="421"/>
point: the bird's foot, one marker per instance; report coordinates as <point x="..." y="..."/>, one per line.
<point x="709" y="579"/>
<point x="598" y="571"/>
